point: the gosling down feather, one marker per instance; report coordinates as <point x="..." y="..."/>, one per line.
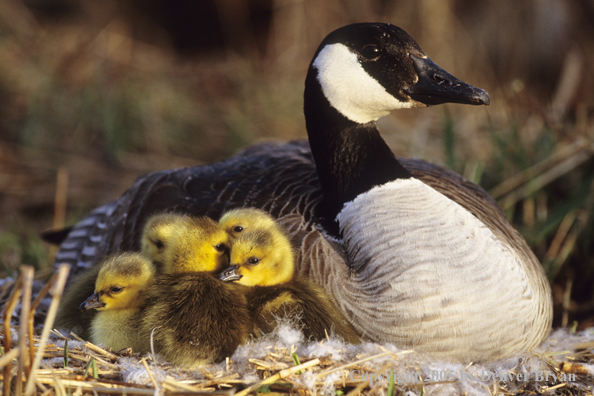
<point x="413" y="254"/>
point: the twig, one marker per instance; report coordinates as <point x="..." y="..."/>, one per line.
<point x="6" y="316"/>
<point x="281" y="374"/>
<point x="148" y="370"/>
<point x="60" y="202"/>
<point x="56" y="292"/>
<point x="95" y="348"/>
<point x="60" y="198"/>
<point x="566" y="301"/>
<point x="42" y="293"/>
<point x="28" y="273"/>
<point x="325" y="373"/>
<point x="560" y="235"/>
<point x="359" y="388"/>
<point x="8" y="357"/>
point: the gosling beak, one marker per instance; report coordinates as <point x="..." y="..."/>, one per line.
<point x="436" y="86"/>
<point x="230" y="274"/>
<point x="92" y="302"/>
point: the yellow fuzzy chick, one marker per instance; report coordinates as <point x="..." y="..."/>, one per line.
<point x="120" y="289"/>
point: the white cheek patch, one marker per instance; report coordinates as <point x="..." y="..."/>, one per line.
<point x="350" y="89"/>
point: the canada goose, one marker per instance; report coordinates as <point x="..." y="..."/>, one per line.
<point x="121" y="285"/>
<point x="413" y="254"/>
<point x="262" y="256"/>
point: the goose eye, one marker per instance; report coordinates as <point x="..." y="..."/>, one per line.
<point x="116" y="289"/>
<point x="253" y="260"/>
<point x="220" y="247"/>
<point x="371" y="52"/>
<point x="238" y="229"/>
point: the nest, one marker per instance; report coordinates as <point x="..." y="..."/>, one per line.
<point x="280" y="363"/>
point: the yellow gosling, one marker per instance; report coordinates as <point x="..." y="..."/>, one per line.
<point x="262" y="258"/>
<point x="120" y="289"/>
<point x="175" y="244"/>
<point x="157" y="233"/>
<point x="196" y="244"/>
<point x="194" y="318"/>
<point x="237" y="221"/>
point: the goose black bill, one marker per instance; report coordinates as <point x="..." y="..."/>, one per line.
<point x="436" y="86"/>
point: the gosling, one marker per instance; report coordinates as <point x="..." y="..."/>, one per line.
<point x="262" y="256"/>
<point x="121" y="286"/>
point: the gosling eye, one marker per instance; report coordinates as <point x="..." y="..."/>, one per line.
<point x="253" y="260"/>
<point x="221" y="247"/>
<point x="116" y="289"/>
<point x="371" y="52"/>
<point x="237" y="229"/>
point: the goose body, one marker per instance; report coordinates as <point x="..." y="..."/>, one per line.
<point x="262" y="257"/>
<point x="413" y="254"/>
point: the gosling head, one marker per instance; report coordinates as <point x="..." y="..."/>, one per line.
<point x="120" y="282"/>
<point x="157" y="234"/>
<point x="261" y="258"/>
<point x="238" y="221"/>
<point x="197" y="244"/>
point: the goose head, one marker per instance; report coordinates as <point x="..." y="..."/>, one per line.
<point x="360" y="73"/>
<point x="120" y="283"/>
<point x="262" y="257"/>
<point x="367" y="70"/>
<point x="198" y="244"/>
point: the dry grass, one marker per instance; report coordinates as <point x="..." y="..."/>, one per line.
<point x="66" y="365"/>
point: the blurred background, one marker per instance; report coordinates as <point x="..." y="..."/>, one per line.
<point x="96" y="93"/>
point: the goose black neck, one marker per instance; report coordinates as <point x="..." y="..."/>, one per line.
<point x="351" y="158"/>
